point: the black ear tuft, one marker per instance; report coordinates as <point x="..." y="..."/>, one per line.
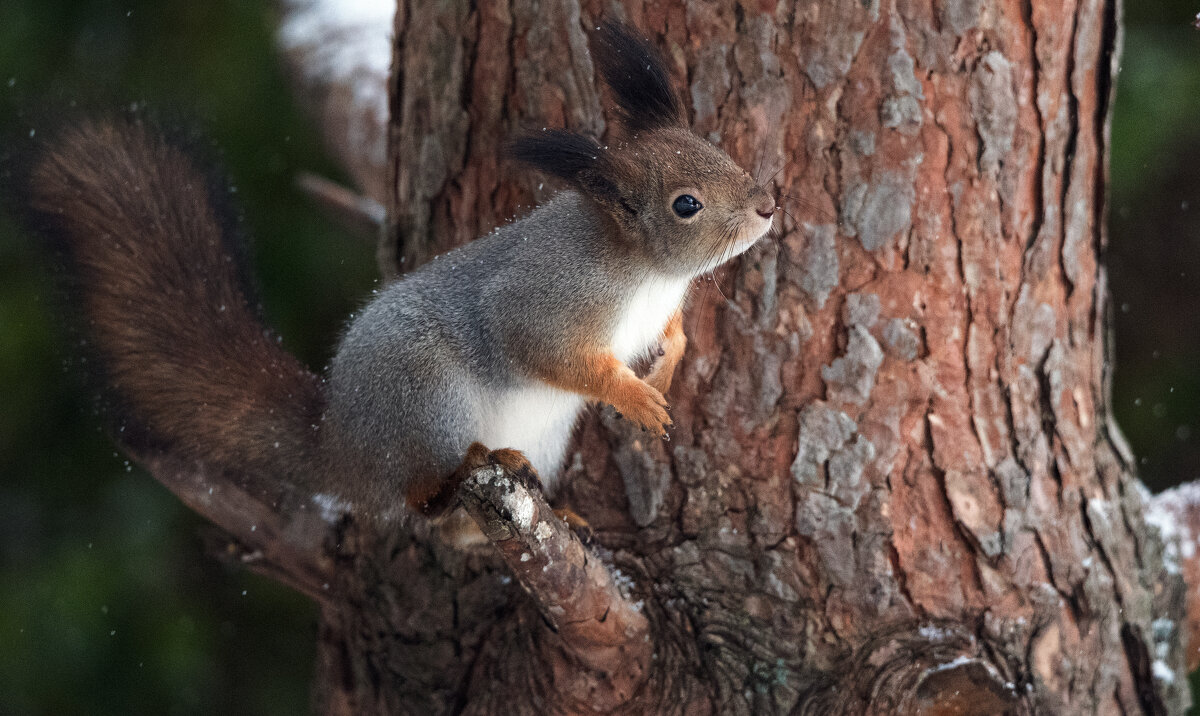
<point x="558" y="152"/>
<point x="638" y="77"/>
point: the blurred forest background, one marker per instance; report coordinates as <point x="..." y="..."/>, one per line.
<point x="108" y="603"/>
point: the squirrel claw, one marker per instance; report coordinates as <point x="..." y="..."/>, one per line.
<point x="582" y="529"/>
<point x="516" y="464"/>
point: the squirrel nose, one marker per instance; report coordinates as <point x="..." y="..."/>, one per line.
<point x="766" y="207"/>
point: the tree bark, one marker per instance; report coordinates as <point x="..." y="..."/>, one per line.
<point x="894" y="484"/>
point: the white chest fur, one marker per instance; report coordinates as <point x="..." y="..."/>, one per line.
<point x="537" y="419"/>
<point x="645" y="315"/>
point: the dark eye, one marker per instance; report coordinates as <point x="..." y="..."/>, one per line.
<point x="686" y="205"/>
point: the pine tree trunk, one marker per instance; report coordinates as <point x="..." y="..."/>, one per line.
<point x="894" y="484"/>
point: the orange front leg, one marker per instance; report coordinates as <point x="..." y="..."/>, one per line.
<point x="673" y="343"/>
<point x="602" y="377"/>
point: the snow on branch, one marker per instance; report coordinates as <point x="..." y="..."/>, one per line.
<point x="1176" y="514"/>
<point x="268" y="526"/>
<point x="602" y="629"/>
<point x="340" y="52"/>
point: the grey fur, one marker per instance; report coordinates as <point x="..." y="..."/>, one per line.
<point x="416" y="369"/>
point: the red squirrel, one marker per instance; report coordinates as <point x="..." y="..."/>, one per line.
<point x="501" y="342"/>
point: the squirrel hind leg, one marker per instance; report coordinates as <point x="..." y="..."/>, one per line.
<point x="434" y="497"/>
<point x="439" y="500"/>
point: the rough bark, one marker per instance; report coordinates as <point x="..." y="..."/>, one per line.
<point x="893" y="485"/>
<point x="893" y="466"/>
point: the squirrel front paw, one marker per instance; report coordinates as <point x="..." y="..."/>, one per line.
<point x="670" y="350"/>
<point x="645" y="406"/>
<point x="671" y="346"/>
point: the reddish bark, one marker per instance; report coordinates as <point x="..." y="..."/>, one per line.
<point x="892" y="423"/>
<point x="894" y="484"/>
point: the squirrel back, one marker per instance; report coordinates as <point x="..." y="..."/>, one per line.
<point x="186" y="367"/>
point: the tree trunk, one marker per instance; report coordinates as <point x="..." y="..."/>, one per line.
<point x="893" y="485"/>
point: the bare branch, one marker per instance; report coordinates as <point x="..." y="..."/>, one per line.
<point x="604" y="631"/>
<point x="360" y="215"/>
<point x="1176" y="513"/>
<point x="277" y="534"/>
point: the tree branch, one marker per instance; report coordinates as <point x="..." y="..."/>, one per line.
<point x="596" y="624"/>
<point x="1176" y="514"/>
<point x="360" y="215"/>
<point x="277" y="534"/>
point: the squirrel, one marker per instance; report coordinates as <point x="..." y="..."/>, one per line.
<point x="501" y="342"/>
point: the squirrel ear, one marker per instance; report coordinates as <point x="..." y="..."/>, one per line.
<point x="603" y="190"/>
<point x="558" y="152"/>
<point x="575" y="158"/>
<point x="638" y="77"/>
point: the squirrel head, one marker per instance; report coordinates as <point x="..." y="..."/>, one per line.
<point x="676" y="199"/>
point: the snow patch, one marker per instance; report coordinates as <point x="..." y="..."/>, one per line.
<point x="331" y="508"/>
<point x="1162" y="514"/>
<point x="935" y="633"/>
<point x="520" y="506"/>
<point x="1162" y="672"/>
<point x="348" y="42"/>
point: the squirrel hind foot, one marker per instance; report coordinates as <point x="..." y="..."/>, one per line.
<point x="517" y="465"/>
<point x="434" y="498"/>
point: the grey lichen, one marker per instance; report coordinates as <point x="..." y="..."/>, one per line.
<point x="830" y="526"/>
<point x="994" y="107"/>
<point x="823" y="430"/>
<point x="861" y="309"/>
<point x="876" y="211"/>
<point x="960" y="15"/>
<point x="710" y="83"/>
<point x="900" y="340"/>
<point x="830" y="61"/>
<point x="851" y="378"/>
<point x="846" y="468"/>
<point x="826" y="513"/>
<point x="1077" y="240"/>
<point x="817" y="263"/>
<point x="646" y="479"/>
<point x="901" y="109"/>
<point x="862" y="143"/>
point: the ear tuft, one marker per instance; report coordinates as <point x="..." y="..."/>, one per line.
<point x="557" y="152"/>
<point x="638" y="77"/>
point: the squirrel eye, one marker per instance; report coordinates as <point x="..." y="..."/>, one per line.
<point x="686" y="205"/>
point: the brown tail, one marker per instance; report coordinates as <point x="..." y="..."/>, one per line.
<point x="189" y="368"/>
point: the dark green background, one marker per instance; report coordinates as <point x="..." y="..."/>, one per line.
<point x="108" y="604"/>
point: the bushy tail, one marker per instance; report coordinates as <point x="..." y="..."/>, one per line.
<point x="188" y="368"/>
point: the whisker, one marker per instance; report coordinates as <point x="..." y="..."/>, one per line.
<point x="776" y="173"/>
<point x="820" y="211"/>
<point x="717" y="284"/>
<point x="732" y="229"/>
<point x="788" y="215"/>
<point x="696" y="314"/>
<point x="710" y="255"/>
